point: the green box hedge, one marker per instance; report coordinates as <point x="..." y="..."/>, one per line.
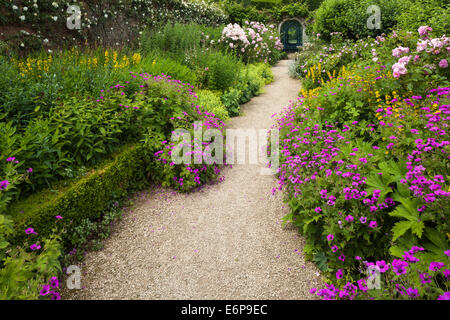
<point x="85" y="198"/>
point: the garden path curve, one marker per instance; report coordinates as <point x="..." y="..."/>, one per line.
<point x="222" y="242"/>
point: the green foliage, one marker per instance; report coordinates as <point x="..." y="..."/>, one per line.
<point x="295" y="9"/>
<point x="85" y="198"/>
<point x="212" y="103"/>
<point x="175" y="39"/>
<point x="230" y="100"/>
<point x="217" y="71"/>
<point x="433" y="13"/>
<point x="350" y="17"/>
<point x="239" y="14"/>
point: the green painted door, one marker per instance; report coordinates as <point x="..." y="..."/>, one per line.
<point x="291" y="35"/>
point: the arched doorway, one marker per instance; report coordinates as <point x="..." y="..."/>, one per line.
<point x="291" y="34"/>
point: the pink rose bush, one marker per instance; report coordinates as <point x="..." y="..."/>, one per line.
<point x="254" y="42"/>
<point x="430" y="50"/>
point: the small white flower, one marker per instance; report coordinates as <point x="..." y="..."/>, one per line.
<point x="55" y="4"/>
<point x="22" y="45"/>
<point x="55" y="18"/>
<point x="22" y="18"/>
<point x="25" y="8"/>
<point x="15" y="7"/>
<point x="49" y="51"/>
<point x="45" y="40"/>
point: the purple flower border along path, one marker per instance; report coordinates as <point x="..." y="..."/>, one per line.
<point x="224" y="241"/>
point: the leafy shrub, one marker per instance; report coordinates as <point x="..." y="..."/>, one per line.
<point x="435" y="13"/>
<point x="350" y="17"/>
<point x="292" y="10"/>
<point x="212" y="103"/>
<point x="239" y="14"/>
<point x="230" y="100"/>
<point x="206" y="162"/>
<point x="25" y="268"/>
<point x="174" y="39"/>
<point x="217" y="71"/>
<point x="364" y="184"/>
<point x="85" y="198"/>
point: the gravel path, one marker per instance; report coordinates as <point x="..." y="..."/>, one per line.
<point x="222" y="242"/>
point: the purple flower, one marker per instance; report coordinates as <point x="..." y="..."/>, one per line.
<point x="372" y="224"/>
<point x="330" y="237"/>
<point x="30" y="170"/>
<point x="45" y="290"/>
<point x="409" y="257"/>
<point x="363" y="219"/>
<point x="55" y="295"/>
<point x="415" y="249"/>
<point x="30" y="231"/>
<point x="445" y="296"/>
<point x="349" y="218"/>
<point x="35" y="246"/>
<point x="399" y="266"/>
<point x="318" y="209"/>
<point x="435" y="266"/>
<point x="362" y="285"/>
<point x="339" y="274"/>
<point x="413" y="293"/>
<point x="425" y="278"/>
<point x="54" y="282"/>
<point x="4" y="184"/>
<point x="382" y="266"/>
<point x="342" y="257"/>
<point x="312" y="290"/>
<point x="10" y="159"/>
<point x="58" y="217"/>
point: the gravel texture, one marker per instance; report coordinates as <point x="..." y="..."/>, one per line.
<point x="224" y="241"/>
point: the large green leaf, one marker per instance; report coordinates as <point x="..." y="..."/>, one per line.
<point x="401" y="212"/>
<point x="436" y="238"/>
<point x="400" y="228"/>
